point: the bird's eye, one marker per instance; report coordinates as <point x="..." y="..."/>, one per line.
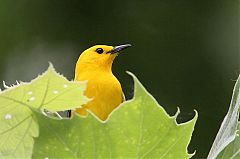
<point x="99" y="50"/>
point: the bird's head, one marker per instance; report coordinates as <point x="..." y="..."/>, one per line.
<point x="100" y="56"/>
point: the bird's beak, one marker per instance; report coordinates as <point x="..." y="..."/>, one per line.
<point x="119" y="48"/>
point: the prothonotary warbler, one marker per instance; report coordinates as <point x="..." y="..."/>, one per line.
<point x="95" y="66"/>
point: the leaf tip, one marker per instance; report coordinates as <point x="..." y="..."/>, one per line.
<point x="5" y="86"/>
<point x="50" y="66"/>
<point x="137" y="85"/>
<point x="132" y="75"/>
<point x="192" y="154"/>
<point x="196" y="114"/>
<point x="176" y="114"/>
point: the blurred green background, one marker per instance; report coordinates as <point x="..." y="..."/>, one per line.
<point x="186" y="53"/>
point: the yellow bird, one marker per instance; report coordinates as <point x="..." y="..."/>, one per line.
<point x="95" y="66"/>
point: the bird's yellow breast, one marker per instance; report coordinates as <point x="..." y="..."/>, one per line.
<point x="105" y="91"/>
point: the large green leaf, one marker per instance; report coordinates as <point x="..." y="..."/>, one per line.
<point x="227" y="131"/>
<point x="18" y="124"/>
<point x="139" y="128"/>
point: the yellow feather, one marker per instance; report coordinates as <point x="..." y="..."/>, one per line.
<point x="102" y="86"/>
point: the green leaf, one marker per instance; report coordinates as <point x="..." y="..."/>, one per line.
<point x="232" y="151"/>
<point x="18" y="124"/>
<point x="227" y="131"/>
<point x="139" y="128"/>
